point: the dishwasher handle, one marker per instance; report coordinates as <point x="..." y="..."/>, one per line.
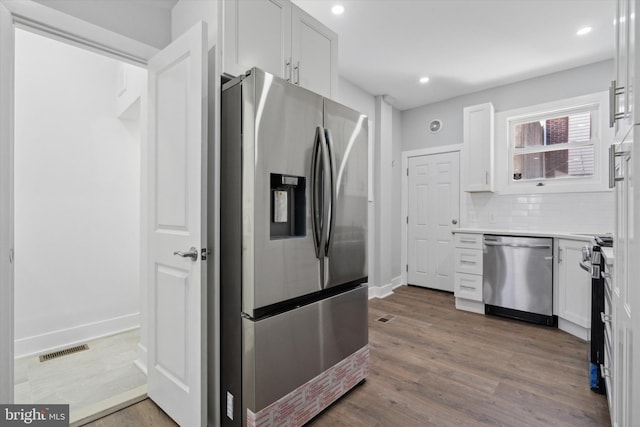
<point x="516" y="245"/>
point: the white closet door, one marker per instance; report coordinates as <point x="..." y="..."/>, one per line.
<point x="6" y="204"/>
<point x="434" y="206"/>
<point x="177" y="377"/>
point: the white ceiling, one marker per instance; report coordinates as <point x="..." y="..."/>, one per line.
<point x="463" y="46"/>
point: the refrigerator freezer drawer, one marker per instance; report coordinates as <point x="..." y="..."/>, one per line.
<point x="285" y="351"/>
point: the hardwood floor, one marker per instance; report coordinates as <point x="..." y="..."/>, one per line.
<point x="433" y="365"/>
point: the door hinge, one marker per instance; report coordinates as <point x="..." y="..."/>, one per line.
<point x="203" y="254"/>
<point x="407" y="220"/>
<point x="407" y="267"/>
<point x="407" y="171"/>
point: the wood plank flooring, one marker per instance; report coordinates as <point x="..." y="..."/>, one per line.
<point x="433" y="365"/>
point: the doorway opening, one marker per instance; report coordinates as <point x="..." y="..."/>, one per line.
<point x="77" y="227"/>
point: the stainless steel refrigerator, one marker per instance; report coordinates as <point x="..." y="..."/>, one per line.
<point x="294" y="334"/>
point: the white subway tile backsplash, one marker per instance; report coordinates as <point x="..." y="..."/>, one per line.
<point x="571" y="212"/>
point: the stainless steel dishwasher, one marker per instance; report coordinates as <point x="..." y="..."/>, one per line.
<point x="518" y="278"/>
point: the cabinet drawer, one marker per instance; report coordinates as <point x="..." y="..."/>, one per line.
<point x="468" y="286"/>
<point x="468" y="261"/>
<point x="470" y="241"/>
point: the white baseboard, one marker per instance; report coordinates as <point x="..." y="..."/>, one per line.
<point x="63" y="338"/>
<point x="573" y="329"/>
<point x="469" y="305"/>
<point x="397" y="282"/>
<point x="141" y="361"/>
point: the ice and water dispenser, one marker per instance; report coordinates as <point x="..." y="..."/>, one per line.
<point x="288" y="206"/>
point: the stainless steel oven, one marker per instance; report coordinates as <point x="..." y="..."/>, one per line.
<point x="593" y="261"/>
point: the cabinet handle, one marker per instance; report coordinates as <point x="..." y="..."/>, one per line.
<point x="467" y="262"/>
<point x="296" y="70"/>
<point x="606" y="318"/>
<point x="287" y="69"/>
<point x="486" y="177"/>
<point x="467" y="241"/>
<point x="559" y="255"/>
<point x="614" y="92"/>
<point x="612" y="166"/>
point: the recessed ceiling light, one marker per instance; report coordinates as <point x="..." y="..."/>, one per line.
<point x="337" y="9"/>
<point x="584" y="30"/>
<point x="424" y="79"/>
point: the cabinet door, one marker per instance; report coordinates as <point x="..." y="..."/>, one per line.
<point x="574" y="296"/>
<point x="314" y="54"/>
<point x="478" y="148"/>
<point x="622" y="66"/>
<point x="257" y="33"/>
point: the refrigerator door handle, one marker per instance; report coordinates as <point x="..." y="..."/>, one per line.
<point x="316" y="191"/>
<point x="332" y="190"/>
<point x="325" y="192"/>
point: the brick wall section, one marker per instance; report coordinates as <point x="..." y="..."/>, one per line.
<point x="555" y="164"/>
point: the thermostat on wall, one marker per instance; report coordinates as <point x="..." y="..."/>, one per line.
<point x="435" y="126"/>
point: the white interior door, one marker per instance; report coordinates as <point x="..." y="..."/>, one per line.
<point x="176" y="189"/>
<point x="6" y="204"/>
<point x="434" y="208"/>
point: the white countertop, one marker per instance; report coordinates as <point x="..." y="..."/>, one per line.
<point x="609" y="258"/>
<point x="585" y="237"/>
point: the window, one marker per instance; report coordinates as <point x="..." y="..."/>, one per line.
<point x="554" y="146"/>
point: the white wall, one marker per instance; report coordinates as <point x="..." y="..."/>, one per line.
<point x="187" y="13"/>
<point x="148" y="22"/>
<point x="396" y="196"/>
<point x="565" y="84"/>
<point x="76" y="199"/>
<point x="571" y="212"/>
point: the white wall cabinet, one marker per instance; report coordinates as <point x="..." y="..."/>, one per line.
<point x="574" y="285"/>
<point x="622" y="99"/>
<point x="468" y="272"/>
<point x="477" y="154"/>
<point x="282" y="39"/>
<point x="625" y="295"/>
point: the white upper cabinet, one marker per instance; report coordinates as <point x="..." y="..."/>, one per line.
<point x="257" y="34"/>
<point x="621" y="115"/>
<point x="282" y="39"/>
<point x="477" y="154"/>
<point x="314" y="54"/>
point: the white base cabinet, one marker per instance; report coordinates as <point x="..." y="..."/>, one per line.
<point x="281" y="39"/>
<point x="574" y="289"/>
<point x="468" y="272"/>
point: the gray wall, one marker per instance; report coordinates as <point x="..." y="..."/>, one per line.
<point x="144" y="21"/>
<point x="396" y="197"/>
<point x="564" y="84"/>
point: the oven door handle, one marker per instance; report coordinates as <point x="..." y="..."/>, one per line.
<point x="585" y="267"/>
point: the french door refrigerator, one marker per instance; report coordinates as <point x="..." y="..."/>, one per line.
<point x="294" y="334"/>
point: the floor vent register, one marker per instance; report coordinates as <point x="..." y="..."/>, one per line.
<point x="385" y="319"/>
<point x="64" y="352"/>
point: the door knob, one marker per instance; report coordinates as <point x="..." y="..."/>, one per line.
<point x="193" y="254"/>
<point x="454" y="221"/>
